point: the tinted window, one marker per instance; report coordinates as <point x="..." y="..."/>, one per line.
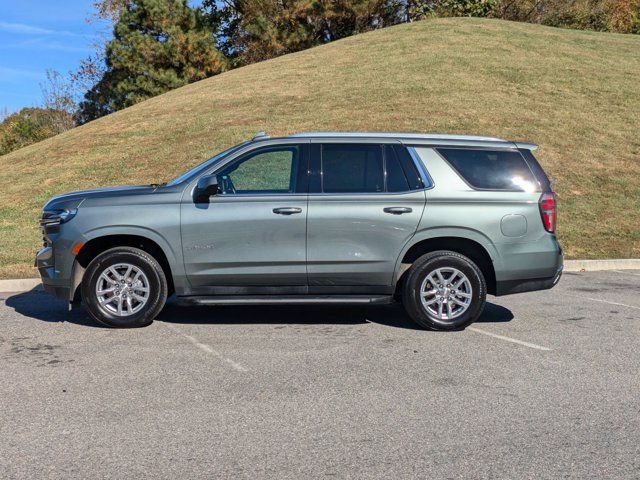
<point x="537" y="170"/>
<point x="266" y="171"/>
<point x="352" y="168"/>
<point x="396" y="179"/>
<point x="491" y="169"/>
<point x="408" y="166"/>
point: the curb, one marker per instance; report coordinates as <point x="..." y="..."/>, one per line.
<point x="20" y="285"/>
<point x="597" y="265"/>
<point x="25" y="284"/>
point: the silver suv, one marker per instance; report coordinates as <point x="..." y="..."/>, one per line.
<point x="433" y="221"/>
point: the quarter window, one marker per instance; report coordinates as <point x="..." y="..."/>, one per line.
<point x="491" y="169"/>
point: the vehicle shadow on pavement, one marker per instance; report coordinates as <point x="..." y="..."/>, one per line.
<point x="41" y="306"/>
<point x="395" y="316"/>
<point x="389" y="315"/>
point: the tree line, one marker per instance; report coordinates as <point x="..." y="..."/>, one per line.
<point x="159" y="45"/>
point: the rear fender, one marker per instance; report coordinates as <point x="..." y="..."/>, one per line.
<point x="439" y="232"/>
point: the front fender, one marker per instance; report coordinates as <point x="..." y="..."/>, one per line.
<point x="174" y="256"/>
<point x="171" y="249"/>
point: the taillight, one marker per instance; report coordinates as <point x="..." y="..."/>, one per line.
<point x="548" y="211"/>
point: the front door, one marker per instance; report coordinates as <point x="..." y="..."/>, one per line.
<point x="364" y="205"/>
<point x="252" y="235"/>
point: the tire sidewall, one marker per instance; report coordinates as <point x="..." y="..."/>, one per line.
<point x="427" y="264"/>
<point x="142" y="260"/>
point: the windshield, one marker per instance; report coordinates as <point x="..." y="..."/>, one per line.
<point x="203" y="166"/>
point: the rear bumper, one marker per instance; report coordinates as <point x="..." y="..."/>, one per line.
<point x="508" y="287"/>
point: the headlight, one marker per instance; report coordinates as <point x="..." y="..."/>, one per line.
<point x="56" y="217"/>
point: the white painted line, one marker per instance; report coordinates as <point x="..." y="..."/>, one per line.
<point x="508" y="339"/>
<point x="206" y="348"/>
<point x="607" y="301"/>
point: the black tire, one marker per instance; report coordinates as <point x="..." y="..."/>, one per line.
<point x="426" y="264"/>
<point x="158" y="288"/>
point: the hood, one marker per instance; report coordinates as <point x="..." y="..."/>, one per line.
<point x="74" y="199"/>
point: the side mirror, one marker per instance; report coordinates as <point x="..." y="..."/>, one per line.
<point x="207" y="187"/>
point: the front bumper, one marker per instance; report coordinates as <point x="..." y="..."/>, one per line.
<point x="51" y="280"/>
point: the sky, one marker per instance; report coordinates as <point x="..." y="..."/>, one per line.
<point x="41" y="35"/>
<point x="36" y="35"/>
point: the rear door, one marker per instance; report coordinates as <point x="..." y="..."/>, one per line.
<point x="365" y="203"/>
<point x="251" y="236"/>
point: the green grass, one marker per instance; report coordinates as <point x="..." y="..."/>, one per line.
<point x="575" y="93"/>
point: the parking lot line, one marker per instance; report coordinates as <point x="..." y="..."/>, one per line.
<point x="509" y="339"/>
<point x="608" y="301"/>
<point x="626" y="272"/>
<point x="206" y="348"/>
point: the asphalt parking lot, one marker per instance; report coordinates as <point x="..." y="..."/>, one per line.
<point x="545" y="385"/>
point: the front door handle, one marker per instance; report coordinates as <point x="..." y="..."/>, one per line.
<point x="397" y="210"/>
<point x="287" y="210"/>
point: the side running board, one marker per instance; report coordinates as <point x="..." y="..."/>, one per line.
<point x="286" y="300"/>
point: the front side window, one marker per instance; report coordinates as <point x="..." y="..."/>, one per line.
<point x="491" y="169"/>
<point x="269" y="170"/>
<point x="205" y="165"/>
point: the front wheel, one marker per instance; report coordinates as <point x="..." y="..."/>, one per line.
<point x="124" y="287"/>
<point x="444" y="290"/>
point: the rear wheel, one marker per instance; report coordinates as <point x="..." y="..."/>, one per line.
<point x="124" y="287"/>
<point x="444" y="290"/>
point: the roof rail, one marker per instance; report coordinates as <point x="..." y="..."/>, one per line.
<point x="417" y="136"/>
<point x="260" y="136"/>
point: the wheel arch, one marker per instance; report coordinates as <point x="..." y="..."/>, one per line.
<point x="101" y="243"/>
<point x="469" y="245"/>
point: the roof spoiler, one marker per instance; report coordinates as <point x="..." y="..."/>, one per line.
<point x="526" y="146"/>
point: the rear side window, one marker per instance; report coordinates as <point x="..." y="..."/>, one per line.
<point x="491" y="169"/>
<point x="352" y="168"/>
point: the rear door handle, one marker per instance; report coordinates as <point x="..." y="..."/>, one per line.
<point x="287" y="210"/>
<point x="397" y="210"/>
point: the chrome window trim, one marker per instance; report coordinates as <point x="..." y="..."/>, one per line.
<point x="364" y="194"/>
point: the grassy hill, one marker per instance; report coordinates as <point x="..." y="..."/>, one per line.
<point x="575" y="93"/>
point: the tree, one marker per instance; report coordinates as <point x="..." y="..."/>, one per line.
<point x="109" y="9"/>
<point x="58" y="101"/>
<point x="33" y="124"/>
<point x="222" y="18"/>
<point x="158" y="45"/>
<point x="30" y="125"/>
<point x="621" y="16"/>
<point x="254" y="30"/>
